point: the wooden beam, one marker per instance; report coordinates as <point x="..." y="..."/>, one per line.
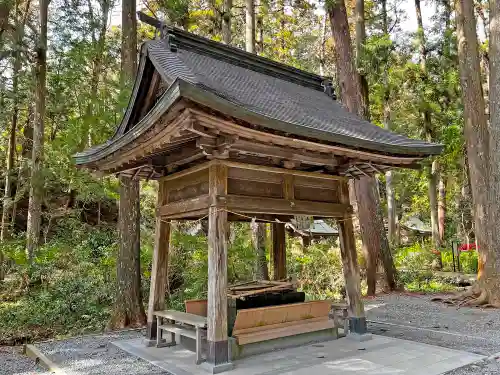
<point x="360" y="170"/>
<point x="153" y="89"/>
<point x="217" y="335"/>
<point x="284" y="153"/>
<point x="186" y="171"/>
<point x="350" y="267"/>
<point x="260" y="205"/>
<point x="283" y="171"/>
<point x="184" y="207"/>
<point x="159" y="267"/>
<point x="246" y="132"/>
<point x="162" y="137"/>
<point x="278" y="235"/>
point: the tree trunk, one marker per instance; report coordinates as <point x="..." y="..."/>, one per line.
<point x="441" y="209"/>
<point x="5" y="9"/>
<point x="96" y="72"/>
<point x="489" y="279"/>
<point x="36" y="185"/>
<point x="360" y="45"/>
<point x="350" y="90"/>
<point x="128" y="42"/>
<point x="226" y="21"/>
<point x="259" y="37"/>
<point x="128" y="309"/>
<point x="322" y="46"/>
<point x="259" y="245"/>
<point x="429" y="131"/>
<point x="9" y="170"/>
<point x="375" y="244"/>
<point x="2" y="105"/>
<point x="250" y="26"/>
<point x="11" y="152"/>
<point x="478" y="142"/>
<point x="391" y="201"/>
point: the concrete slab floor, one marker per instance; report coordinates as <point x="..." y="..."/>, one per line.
<point x="379" y="356"/>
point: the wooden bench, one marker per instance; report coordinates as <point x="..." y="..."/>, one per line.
<point x="340" y="315"/>
<point x="183" y="324"/>
<point x="196" y="306"/>
<point x="267" y="323"/>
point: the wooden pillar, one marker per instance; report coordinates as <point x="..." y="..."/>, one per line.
<point x="217" y="337"/>
<point x="159" y="267"/>
<point x="279" y="251"/>
<point x="350" y="266"/>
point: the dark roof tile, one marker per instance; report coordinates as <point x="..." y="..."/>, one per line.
<point x="310" y="112"/>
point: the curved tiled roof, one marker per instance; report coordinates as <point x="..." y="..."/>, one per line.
<point x="258" y="91"/>
<point x="307" y="109"/>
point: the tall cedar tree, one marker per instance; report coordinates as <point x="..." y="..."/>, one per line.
<point x="37" y="181"/>
<point x="350" y="86"/>
<point x="446" y="47"/>
<point x="429" y="130"/>
<point x="480" y="158"/>
<point x="16" y="67"/>
<point x="354" y="93"/>
<point x="391" y="200"/>
<point x="489" y="279"/>
<point x="128" y="309"/>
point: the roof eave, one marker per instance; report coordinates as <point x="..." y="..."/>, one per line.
<point x="213" y="101"/>
<point x="93" y="155"/>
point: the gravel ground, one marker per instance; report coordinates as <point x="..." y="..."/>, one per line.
<point x="12" y="361"/>
<point x="416" y="318"/>
<point x="408" y="317"/>
<point x="94" y="355"/>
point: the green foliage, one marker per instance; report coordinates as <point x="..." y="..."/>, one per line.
<point x="68" y="290"/>
<point x="318" y="268"/>
<point x="70" y="287"/>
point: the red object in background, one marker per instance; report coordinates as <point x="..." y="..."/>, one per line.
<point x="434" y="251"/>
<point x="467" y="247"/>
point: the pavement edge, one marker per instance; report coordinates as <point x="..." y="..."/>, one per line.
<point x="31" y="351"/>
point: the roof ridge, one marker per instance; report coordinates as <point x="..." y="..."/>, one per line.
<point x="177" y="38"/>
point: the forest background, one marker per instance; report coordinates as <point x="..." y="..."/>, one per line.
<point x="59" y="240"/>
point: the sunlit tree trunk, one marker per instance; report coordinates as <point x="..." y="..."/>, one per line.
<point x="489" y="280"/>
<point x="322" y="46"/>
<point x="432" y="176"/>
<point x="250" y="26"/>
<point x="371" y="222"/>
<point x="128" y="309"/>
<point x="391" y="201"/>
<point x="442" y="209"/>
<point x="485" y="198"/>
<point x="259" y="244"/>
<point x="37" y="182"/>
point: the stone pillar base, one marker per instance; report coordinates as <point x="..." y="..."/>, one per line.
<point x="149" y="343"/>
<point x="216" y="369"/>
<point x="357" y="325"/>
<point x="358" y="337"/>
<point x="217" y="357"/>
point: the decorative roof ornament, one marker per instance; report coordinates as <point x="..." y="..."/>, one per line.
<point x="328" y="88"/>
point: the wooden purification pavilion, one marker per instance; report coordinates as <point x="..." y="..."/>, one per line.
<point x="233" y="136"/>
